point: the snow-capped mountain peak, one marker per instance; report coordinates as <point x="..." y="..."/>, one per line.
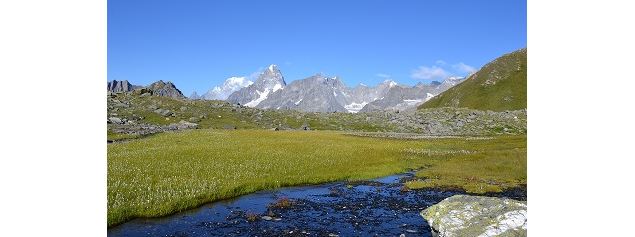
<point x="389" y="83"/>
<point x="269" y="81"/>
<point x="230" y="85"/>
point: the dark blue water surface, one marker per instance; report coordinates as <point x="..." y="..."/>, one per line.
<point x="376" y="207"/>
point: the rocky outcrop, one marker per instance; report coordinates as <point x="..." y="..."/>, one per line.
<point x="463" y="215"/>
<point x="161" y="88"/>
<point x="121" y="86"/>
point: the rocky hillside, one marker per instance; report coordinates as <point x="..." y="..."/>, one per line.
<point x="129" y="113"/>
<point x="500" y="85"/>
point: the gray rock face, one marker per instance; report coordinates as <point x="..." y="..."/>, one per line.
<point x="463" y="215"/>
<point x="361" y="95"/>
<point x="329" y="94"/>
<point x="168" y="89"/>
<point x="319" y="93"/>
<point x="313" y="94"/>
<point x="268" y="82"/>
<point x="121" y="86"/>
<point x="400" y="98"/>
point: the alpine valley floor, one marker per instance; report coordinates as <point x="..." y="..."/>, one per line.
<point x="170" y="172"/>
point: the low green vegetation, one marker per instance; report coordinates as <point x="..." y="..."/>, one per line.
<point x="174" y="171"/>
<point x="112" y="136"/>
<point x="498" y="86"/>
<point x="487" y="167"/>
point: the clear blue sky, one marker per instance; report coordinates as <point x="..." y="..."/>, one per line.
<point x="198" y="44"/>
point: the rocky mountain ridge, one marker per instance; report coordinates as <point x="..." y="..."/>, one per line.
<point x="121" y="86"/>
<point x="319" y="93"/>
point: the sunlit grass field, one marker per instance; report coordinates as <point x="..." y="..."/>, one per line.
<point x="169" y="172"/>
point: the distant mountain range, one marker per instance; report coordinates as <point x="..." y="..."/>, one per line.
<point x="319" y="93"/>
<point x="497" y="86"/>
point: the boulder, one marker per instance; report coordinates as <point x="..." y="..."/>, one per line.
<point x="164" y="112"/>
<point x="182" y="125"/>
<point x="463" y="215"/>
<point x="305" y="127"/>
<point x="187" y="125"/>
<point x="229" y="126"/>
<point x="115" y="120"/>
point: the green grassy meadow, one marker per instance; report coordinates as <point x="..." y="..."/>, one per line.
<point x="174" y="171"/>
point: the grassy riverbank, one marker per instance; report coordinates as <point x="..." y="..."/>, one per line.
<point x="169" y="172"/>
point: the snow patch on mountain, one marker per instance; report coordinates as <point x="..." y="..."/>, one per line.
<point x="428" y="96"/>
<point x="228" y="87"/>
<point x="277" y="87"/>
<point x="355" y="107"/>
<point x="263" y="95"/>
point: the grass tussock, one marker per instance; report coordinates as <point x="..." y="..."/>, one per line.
<point x="251" y="217"/>
<point x="170" y="172"/>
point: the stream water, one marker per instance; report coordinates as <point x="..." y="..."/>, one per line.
<point x="375" y="207"/>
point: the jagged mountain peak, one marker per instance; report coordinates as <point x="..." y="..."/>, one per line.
<point x="389" y="83"/>
<point x="269" y="80"/>
<point x="270" y="77"/>
<point x="167" y="89"/>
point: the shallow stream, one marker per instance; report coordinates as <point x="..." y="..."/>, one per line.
<point x="377" y="207"/>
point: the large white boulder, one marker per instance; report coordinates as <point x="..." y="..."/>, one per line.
<point x="463" y="215"/>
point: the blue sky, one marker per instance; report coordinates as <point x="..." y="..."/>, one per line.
<point x="198" y="44"/>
